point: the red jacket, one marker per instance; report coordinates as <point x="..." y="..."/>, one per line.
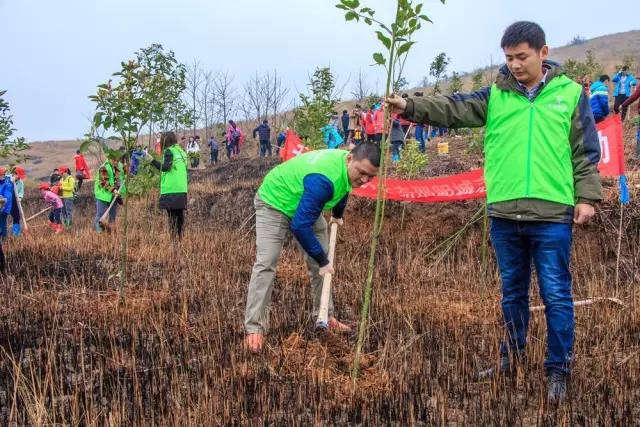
<point x="367" y="122"/>
<point x="378" y="121"/>
<point x="81" y="166"/>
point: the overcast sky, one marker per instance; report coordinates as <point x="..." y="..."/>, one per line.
<point x="55" y="52"/>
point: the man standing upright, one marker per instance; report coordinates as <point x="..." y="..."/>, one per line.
<point x="264" y="136"/>
<point x="624" y="84"/>
<point x="541" y="156"/>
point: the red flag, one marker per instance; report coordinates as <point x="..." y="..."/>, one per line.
<point x="611" y="146"/>
<point x="292" y="146"/>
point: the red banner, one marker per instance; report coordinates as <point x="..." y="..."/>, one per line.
<point x="465" y="186"/>
<point x="470" y="185"/>
<point x="292" y="146"/>
<point x="611" y="146"/>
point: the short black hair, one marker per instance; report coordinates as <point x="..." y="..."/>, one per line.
<point x="369" y="151"/>
<point x="77" y="151"/>
<point x="345" y="111"/>
<point x="524" y="32"/>
<point x="265" y="121"/>
<point x="625" y="68"/>
<point x="604" y="78"/>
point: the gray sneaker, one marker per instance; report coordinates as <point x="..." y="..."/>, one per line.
<point x="556" y="386"/>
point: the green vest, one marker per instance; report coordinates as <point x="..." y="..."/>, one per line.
<point x="527" y="147"/>
<point x="282" y="188"/>
<point x="100" y="193"/>
<point x="175" y="180"/>
<point x="105" y="195"/>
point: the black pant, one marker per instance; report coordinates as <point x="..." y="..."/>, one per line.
<point x="618" y="102"/>
<point x="598" y="119"/>
<point x="79" y="179"/>
<point x="176" y="222"/>
<point x="214" y="156"/>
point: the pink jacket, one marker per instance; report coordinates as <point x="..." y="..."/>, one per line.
<point x="230" y="132"/>
<point x="52" y="199"/>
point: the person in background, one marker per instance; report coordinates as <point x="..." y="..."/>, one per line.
<point x="136" y="156"/>
<point x="54" y="181"/>
<point x="108" y="183"/>
<point x="345" y="123"/>
<point x="624" y="84"/>
<point x="263" y="131"/>
<point x="625" y="106"/>
<point x="234" y="138"/>
<point x="358" y="137"/>
<point x="173" y="183"/>
<point x="630" y="100"/>
<point x="534" y="115"/>
<point x="367" y="121"/>
<point x="282" y="136"/>
<point x="67" y="194"/>
<point x="53" y="200"/>
<point x="82" y="169"/>
<point x="600" y="98"/>
<point x="397" y="140"/>
<point x="193" y="150"/>
<point x="7" y="196"/>
<point x="18" y="177"/>
<point x="378" y="122"/>
<point x="213" y="150"/>
<point x="422" y="130"/>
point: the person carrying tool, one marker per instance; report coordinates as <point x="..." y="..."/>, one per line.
<point x="53" y="200"/>
<point x="541" y="156"/>
<point x="6" y="201"/>
<point x="108" y="183"/>
<point x="292" y="197"/>
<point x="67" y="194"/>
<point x="173" y="182"/>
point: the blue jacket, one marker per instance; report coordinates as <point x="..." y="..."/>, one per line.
<point x="6" y="191"/>
<point x="318" y="190"/>
<point x="331" y="136"/>
<point x="263" y="131"/>
<point x="345" y="121"/>
<point x="630" y="81"/>
<point x="599" y="99"/>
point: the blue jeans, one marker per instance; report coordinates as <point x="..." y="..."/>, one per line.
<point x="548" y="245"/>
<point x="101" y="208"/>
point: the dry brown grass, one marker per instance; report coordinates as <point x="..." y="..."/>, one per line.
<point x="172" y="354"/>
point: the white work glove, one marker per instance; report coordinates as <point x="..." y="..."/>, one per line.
<point x="338" y="221"/>
<point x="327" y="269"/>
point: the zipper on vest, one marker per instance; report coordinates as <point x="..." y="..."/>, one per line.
<point x="529" y="141"/>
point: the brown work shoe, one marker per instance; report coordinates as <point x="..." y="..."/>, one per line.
<point x="254" y="342"/>
<point x="337" y="326"/>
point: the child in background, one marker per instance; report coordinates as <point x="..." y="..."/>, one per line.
<point x="67" y="194"/>
<point x="357" y="135"/>
<point x="55" y="202"/>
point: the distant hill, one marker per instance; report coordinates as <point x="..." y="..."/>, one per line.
<point x="609" y="50"/>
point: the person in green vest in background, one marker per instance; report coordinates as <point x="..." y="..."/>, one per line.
<point x="541" y="155"/>
<point x="292" y="197"/>
<point x="108" y="183"/>
<point x="173" y="182"/>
